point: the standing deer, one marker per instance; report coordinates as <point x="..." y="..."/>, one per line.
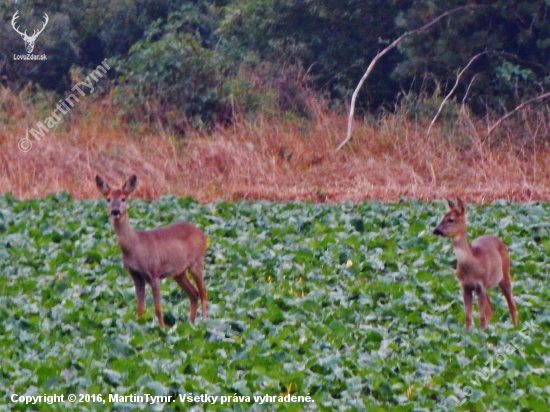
<point x="29" y="40"/>
<point x="482" y="265"/>
<point x="152" y="255"/>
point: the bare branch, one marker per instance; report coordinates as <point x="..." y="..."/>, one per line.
<point x="379" y="55"/>
<point x="518" y="108"/>
<point x="452" y="90"/>
<point x="468" y="89"/>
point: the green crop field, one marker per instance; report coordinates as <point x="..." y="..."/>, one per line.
<point x="312" y="307"/>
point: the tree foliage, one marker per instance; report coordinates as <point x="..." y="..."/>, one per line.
<point x="173" y="70"/>
<point x="197" y="62"/>
<point x="515" y="35"/>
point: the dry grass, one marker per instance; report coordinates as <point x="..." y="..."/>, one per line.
<point x="278" y="159"/>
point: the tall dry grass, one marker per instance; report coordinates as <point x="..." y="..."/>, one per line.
<point x="278" y="158"/>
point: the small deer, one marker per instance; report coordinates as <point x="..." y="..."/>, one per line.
<point x="482" y="265"/>
<point x="152" y="255"/>
<point x="29" y="40"/>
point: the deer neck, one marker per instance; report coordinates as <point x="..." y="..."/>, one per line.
<point x="463" y="250"/>
<point x="126" y="235"/>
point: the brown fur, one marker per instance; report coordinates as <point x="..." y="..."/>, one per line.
<point x="152" y="255"/>
<point x="481" y="265"/>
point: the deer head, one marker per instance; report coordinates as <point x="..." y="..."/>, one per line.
<point x="29" y="40"/>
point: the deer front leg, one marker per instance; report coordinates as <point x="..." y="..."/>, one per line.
<point x="467" y="296"/>
<point x="139" y="284"/>
<point x="156" y="300"/>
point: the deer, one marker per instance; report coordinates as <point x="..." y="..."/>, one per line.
<point x="152" y="255"/>
<point x="29" y="40"/>
<point x="481" y="265"/>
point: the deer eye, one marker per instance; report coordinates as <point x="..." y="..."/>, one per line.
<point x="108" y="200"/>
<point x="450" y="220"/>
<point x="123" y="199"/>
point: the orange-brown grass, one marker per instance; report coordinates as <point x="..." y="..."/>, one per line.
<point x="277" y="158"/>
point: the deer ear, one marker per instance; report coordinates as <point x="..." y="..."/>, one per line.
<point x="102" y="186"/>
<point x="450" y="204"/>
<point x="460" y="205"/>
<point x="130" y="185"/>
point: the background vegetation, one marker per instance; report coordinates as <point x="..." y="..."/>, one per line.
<point x="203" y="62"/>
<point x="248" y="99"/>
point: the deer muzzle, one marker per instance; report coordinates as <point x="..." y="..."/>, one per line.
<point x="438" y="232"/>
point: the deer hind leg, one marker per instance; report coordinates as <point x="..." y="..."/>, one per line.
<point x="191" y="291"/>
<point x="467" y="296"/>
<point x="488" y="307"/>
<point x="156" y="300"/>
<point x="506" y="286"/>
<point x="485" y="306"/>
<point x="197" y="272"/>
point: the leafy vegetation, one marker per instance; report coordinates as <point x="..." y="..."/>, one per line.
<point x="204" y="60"/>
<point x="353" y="304"/>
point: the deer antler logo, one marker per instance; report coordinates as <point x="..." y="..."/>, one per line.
<point x="29" y="40"/>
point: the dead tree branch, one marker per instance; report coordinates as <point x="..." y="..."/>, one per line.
<point x="452" y="90"/>
<point x="518" y="108"/>
<point x="379" y="55"/>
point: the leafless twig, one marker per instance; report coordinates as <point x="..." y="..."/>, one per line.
<point x="379" y="55"/>
<point x="518" y="108"/>
<point x="452" y="90"/>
